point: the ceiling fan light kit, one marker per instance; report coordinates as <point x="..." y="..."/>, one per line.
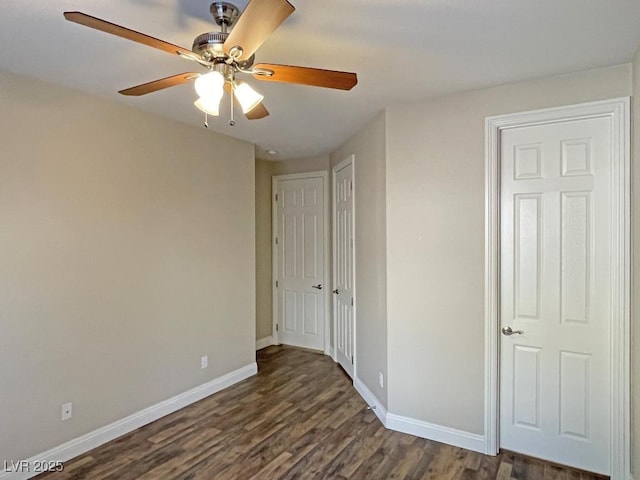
<point x="210" y="88"/>
<point x="226" y="54"/>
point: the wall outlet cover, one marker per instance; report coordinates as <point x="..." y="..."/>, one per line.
<point x="66" y="411"/>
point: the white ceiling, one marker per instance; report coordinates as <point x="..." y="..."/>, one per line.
<point x="402" y="50"/>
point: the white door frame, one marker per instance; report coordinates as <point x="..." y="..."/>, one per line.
<point x="617" y="110"/>
<point x="351" y="159"/>
<point x="274" y="251"/>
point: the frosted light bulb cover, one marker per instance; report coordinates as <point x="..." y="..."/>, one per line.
<point x="210" y="85"/>
<point x="208" y="105"/>
<point x="247" y="97"/>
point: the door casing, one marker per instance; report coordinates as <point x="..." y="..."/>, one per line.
<point x="350" y="160"/>
<point x="274" y="251"/>
<point x="618" y="111"/>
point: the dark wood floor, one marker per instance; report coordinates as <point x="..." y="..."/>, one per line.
<point x="299" y="418"/>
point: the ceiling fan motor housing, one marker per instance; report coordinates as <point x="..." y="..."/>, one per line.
<point x="209" y="45"/>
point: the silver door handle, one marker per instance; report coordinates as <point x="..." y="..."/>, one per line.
<point x="318" y="286"/>
<point x="336" y="291"/>
<point x="508" y="331"/>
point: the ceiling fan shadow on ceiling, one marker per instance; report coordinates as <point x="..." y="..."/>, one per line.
<point x="226" y="54"/>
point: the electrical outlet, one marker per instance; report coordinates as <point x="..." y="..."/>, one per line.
<point x="204" y="361"/>
<point x="381" y="379"/>
<point x="67" y="411"/>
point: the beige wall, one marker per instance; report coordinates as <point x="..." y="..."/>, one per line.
<point x="126" y="252"/>
<point x="265" y="170"/>
<point x="264" y="303"/>
<point x="369" y="147"/>
<point x="304" y="165"/>
<point x="635" y="286"/>
<point x="435" y="240"/>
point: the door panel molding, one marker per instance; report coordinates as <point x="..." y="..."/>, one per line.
<point x="347" y="162"/>
<point x="618" y="113"/>
<point x="274" y="251"/>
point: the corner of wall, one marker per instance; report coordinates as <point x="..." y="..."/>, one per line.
<point x="375" y="404"/>
<point x="368" y="146"/>
<point x="635" y="268"/>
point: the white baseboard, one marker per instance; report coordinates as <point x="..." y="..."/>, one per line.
<point x="105" y="434"/>
<point x="328" y="351"/>
<point x="430" y="431"/>
<point x="438" y="433"/>
<point x="264" y="342"/>
<point x="372" y="400"/>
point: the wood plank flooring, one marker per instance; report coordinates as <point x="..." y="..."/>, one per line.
<point x="299" y="418"/>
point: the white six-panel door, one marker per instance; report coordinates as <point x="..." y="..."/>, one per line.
<point x="343" y="264"/>
<point x="555" y="279"/>
<point x="299" y="235"/>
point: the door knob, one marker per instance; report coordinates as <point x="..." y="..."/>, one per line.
<point x="508" y="331"/>
<point x="318" y="286"/>
<point x="335" y="291"/>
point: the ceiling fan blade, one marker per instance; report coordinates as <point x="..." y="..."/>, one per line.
<point x="159" y="84"/>
<point x="256" y="113"/>
<point x="259" y="20"/>
<point x="113" y="29"/>
<point x="307" y="76"/>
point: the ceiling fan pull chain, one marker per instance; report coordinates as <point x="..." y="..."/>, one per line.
<point x="232" y="122"/>
<point x="206" y="118"/>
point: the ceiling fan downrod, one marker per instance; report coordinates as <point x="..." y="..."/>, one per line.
<point x="225" y="14"/>
<point x="210" y="46"/>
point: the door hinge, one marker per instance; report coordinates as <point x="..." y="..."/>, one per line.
<point x="276" y="240"/>
<point x="350" y="185"/>
<point x="351" y="359"/>
<point x="277" y="327"/>
<point x="352" y="301"/>
<point x="276" y="197"/>
<point x="276" y="283"/>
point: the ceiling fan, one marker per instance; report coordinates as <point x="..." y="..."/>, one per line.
<point x="226" y="54"/>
